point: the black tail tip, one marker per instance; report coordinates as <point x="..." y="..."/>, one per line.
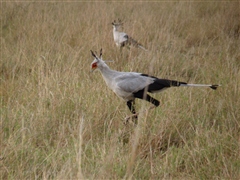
<point x="214" y="87"/>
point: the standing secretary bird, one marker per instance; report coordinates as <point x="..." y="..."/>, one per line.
<point x="122" y="39"/>
<point x="131" y="85"/>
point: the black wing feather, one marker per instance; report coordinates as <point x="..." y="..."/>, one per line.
<point x="160" y="84"/>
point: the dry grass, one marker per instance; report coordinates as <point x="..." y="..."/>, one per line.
<point x="59" y="121"/>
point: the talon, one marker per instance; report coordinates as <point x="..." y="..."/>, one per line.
<point x="135" y="116"/>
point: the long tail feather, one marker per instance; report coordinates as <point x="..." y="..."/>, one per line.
<point x="133" y="42"/>
<point x="143" y="48"/>
<point x="214" y="87"/>
<point x="201" y="85"/>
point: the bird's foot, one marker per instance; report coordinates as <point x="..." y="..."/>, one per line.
<point x="134" y="118"/>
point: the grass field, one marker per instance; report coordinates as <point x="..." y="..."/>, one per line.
<point x="60" y="121"/>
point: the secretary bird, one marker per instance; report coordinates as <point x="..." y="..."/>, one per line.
<point x="122" y="39"/>
<point x="131" y="85"/>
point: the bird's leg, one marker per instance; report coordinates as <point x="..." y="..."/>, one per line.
<point x="136" y="114"/>
<point x="145" y="96"/>
<point x="121" y="47"/>
<point x="150" y="99"/>
<point x="121" y="52"/>
<point x="131" y="106"/>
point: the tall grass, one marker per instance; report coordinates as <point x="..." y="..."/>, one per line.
<point x="59" y="121"/>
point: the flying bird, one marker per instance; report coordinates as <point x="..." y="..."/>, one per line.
<point x="132" y="85"/>
<point x="122" y="39"/>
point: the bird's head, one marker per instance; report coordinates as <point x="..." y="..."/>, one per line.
<point x="116" y="24"/>
<point x="97" y="62"/>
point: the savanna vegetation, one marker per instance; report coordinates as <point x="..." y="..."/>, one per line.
<point x="60" y="121"/>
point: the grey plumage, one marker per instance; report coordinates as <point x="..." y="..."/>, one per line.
<point x="122" y="39"/>
<point x="131" y="85"/>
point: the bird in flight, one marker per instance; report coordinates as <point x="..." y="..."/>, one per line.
<point x="132" y="85"/>
<point x="122" y="39"/>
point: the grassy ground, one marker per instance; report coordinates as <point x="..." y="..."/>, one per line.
<point x="59" y="121"/>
